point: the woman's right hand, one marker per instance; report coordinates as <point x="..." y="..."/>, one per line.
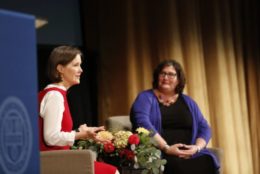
<point x="89" y="132"/>
<point x="92" y="131"/>
<point x="175" y="149"/>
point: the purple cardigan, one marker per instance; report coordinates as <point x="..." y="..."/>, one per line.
<point x="145" y="112"/>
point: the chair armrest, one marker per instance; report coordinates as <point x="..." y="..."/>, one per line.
<point x="116" y="123"/>
<point x="218" y="152"/>
<point x="67" y="161"/>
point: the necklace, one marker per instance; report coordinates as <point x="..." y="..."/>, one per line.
<point x="166" y="100"/>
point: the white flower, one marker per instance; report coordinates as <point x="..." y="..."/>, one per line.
<point x="142" y="130"/>
<point x="132" y="147"/>
<point x="136" y="159"/>
<point x="105" y="135"/>
<point x="121" y="138"/>
<point x="136" y="165"/>
<point x="162" y="168"/>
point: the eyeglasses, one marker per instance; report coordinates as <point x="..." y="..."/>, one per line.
<point x="169" y="75"/>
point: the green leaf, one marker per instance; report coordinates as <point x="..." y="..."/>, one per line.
<point x="155" y="170"/>
<point x="145" y="171"/>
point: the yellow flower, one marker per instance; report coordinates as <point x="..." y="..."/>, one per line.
<point x="121" y="139"/>
<point x="143" y="131"/>
<point x="105" y="135"/>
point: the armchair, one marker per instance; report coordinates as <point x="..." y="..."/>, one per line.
<point x="67" y="162"/>
<point x="116" y="123"/>
<point x="122" y="122"/>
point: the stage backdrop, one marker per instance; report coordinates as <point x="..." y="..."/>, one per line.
<point x="19" y="150"/>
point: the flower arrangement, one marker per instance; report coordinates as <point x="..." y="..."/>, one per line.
<point x="135" y="150"/>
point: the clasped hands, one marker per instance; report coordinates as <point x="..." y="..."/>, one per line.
<point x="91" y="132"/>
<point x="182" y="150"/>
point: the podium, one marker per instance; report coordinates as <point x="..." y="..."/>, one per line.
<point x="19" y="146"/>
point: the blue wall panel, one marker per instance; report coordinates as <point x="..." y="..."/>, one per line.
<point x="19" y="149"/>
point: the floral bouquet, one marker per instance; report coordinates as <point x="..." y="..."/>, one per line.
<point x="125" y="149"/>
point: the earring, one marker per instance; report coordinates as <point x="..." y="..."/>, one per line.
<point x="61" y="77"/>
<point x="58" y="76"/>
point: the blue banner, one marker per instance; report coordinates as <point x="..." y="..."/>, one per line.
<point x="19" y="146"/>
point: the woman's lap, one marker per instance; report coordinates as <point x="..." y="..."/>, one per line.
<point x="202" y="165"/>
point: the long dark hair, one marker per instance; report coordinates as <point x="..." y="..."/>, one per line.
<point x="179" y="71"/>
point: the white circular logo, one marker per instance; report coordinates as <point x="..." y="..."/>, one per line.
<point x="15" y="136"/>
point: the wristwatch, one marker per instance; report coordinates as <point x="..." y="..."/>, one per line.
<point x="198" y="149"/>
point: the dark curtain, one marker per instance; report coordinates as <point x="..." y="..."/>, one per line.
<point x="82" y="98"/>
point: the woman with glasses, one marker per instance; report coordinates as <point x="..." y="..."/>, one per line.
<point x="179" y="128"/>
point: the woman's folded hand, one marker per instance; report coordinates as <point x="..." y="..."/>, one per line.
<point x="182" y="150"/>
<point x="89" y="132"/>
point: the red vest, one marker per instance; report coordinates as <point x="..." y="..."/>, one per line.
<point x="66" y="124"/>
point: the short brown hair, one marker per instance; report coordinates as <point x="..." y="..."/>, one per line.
<point x="179" y="71"/>
<point x="61" y="55"/>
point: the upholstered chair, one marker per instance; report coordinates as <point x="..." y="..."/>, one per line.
<point x="67" y="162"/>
<point x="122" y="122"/>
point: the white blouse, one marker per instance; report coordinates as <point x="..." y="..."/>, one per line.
<point x="51" y="110"/>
